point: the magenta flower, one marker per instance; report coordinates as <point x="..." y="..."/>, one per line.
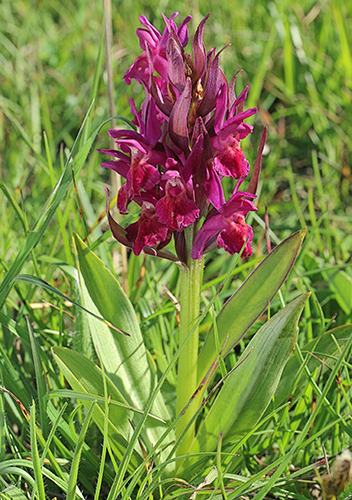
<point x="176" y="209"/>
<point x="231" y="161"/>
<point x="153" y="44"/>
<point x="148" y="230"/>
<point x="228" y="227"/>
<point x="189" y="130"/>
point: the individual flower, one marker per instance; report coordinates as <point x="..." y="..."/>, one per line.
<point x="148" y="230"/>
<point x="176" y="209"/>
<point x="227" y="227"/>
<point x="153" y="44"/>
<point x="140" y="158"/>
<point x="231" y="161"/>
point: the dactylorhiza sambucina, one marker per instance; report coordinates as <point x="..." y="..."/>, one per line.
<point x="189" y="130"/>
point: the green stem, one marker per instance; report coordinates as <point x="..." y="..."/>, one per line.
<point x="191" y="282"/>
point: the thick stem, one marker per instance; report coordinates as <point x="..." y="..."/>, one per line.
<point x="191" y="282"/>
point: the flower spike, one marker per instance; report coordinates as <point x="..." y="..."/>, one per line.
<point x="187" y="139"/>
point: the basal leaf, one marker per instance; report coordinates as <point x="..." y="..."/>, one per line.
<point x="251" y="299"/>
<point x="124" y="357"/>
<point x="248" y="390"/>
<point x="86" y="378"/>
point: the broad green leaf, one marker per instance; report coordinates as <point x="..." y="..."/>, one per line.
<point x="86" y="378"/>
<point x="124" y="357"/>
<point x="248" y="390"/>
<point x="341" y="284"/>
<point x="250" y="300"/>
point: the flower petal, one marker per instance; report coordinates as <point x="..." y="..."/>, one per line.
<point x="153" y="32"/>
<point x="147" y="231"/>
<point x="139" y="70"/>
<point x="117" y="166"/>
<point x="182" y="31"/>
<point x="240" y="100"/>
<point x="123" y="199"/>
<point x="210" y="228"/>
<point x="238" y="204"/>
<point x="178" y="129"/>
<point x="142" y="175"/>
<point x="231" y="126"/>
<point x="199" y="51"/>
<point x="233" y="237"/>
<point x="175" y="209"/>
<point x="231" y="161"/>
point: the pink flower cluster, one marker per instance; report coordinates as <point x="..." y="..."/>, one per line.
<point x="189" y="130"/>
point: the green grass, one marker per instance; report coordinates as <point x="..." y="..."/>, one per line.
<point x="297" y="60"/>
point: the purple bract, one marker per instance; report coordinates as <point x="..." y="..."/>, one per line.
<point x="189" y="130"/>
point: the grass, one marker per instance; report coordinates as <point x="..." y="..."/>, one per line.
<point x="298" y="63"/>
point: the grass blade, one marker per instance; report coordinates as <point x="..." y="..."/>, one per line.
<point x="72" y="480"/>
<point x="39" y="482"/>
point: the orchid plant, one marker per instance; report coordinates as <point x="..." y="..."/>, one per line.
<point x="185" y="139"/>
<point x="189" y="130"/>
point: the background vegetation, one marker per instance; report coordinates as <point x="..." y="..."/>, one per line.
<point x="297" y="60"/>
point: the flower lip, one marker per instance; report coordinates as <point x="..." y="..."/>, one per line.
<point x="237" y="235"/>
<point x="147" y="231"/>
<point x="176" y="209"/>
<point x="231" y="161"/>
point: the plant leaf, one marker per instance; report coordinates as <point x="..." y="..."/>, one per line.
<point x="86" y="378"/>
<point x="12" y="493"/>
<point x="248" y="390"/>
<point x="125" y="358"/>
<point x="33" y="280"/>
<point x="67" y="393"/>
<point x="259" y="288"/>
<point x="41" y="382"/>
<point x="72" y="480"/>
